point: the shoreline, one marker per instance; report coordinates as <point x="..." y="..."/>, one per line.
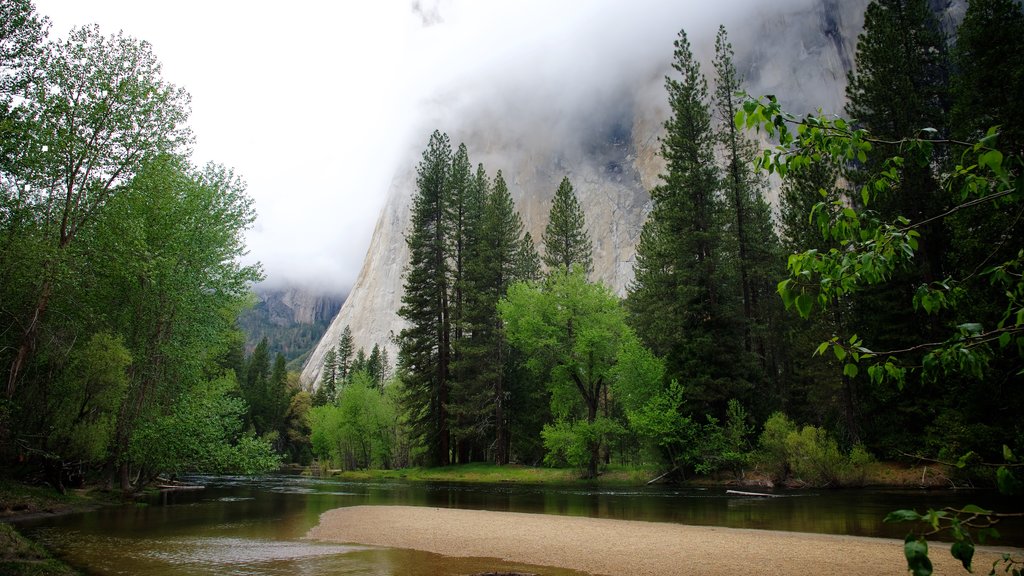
<point x="638" y="548"/>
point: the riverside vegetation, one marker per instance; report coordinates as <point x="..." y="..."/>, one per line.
<point x="896" y="251"/>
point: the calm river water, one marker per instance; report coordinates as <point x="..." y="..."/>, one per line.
<point x="255" y="526"/>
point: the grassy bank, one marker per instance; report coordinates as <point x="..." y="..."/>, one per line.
<point x="494" y="474"/>
<point x="879" y="474"/>
<point x="20" y="556"/>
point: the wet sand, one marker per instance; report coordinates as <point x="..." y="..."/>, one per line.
<point x="621" y="547"/>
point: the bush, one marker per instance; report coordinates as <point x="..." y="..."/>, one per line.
<point x="810" y="454"/>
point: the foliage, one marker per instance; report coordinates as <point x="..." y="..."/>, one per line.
<point x="202" y="433"/>
<point x="88" y="398"/>
<point x="568" y="443"/>
<point x="810" y="454"/>
<point x="361" y="430"/>
<point x="573" y="333"/>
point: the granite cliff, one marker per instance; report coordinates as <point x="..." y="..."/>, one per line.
<point x="608" y="146"/>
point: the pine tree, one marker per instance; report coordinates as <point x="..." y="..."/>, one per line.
<point x="375" y="366"/>
<point x="566" y="241"/>
<point x="327" y="391"/>
<point x="344" y="353"/>
<point x="989" y="79"/>
<point x="503" y="255"/>
<point x="898" y="89"/>
<point x="751" y="226"/>
<point x="679" y="299"/>
<point x="425" y="345"/>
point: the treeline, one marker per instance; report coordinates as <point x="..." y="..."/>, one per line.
<point x="905" y="276"/>
<point x="120" y="279"/>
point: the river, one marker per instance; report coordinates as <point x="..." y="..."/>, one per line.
<point x="255" y="526"/>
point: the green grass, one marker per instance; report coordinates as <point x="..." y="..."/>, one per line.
<point x="20" y="556"/>
<point x="514" y="474"/>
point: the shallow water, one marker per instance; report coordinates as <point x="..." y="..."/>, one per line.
<point x="255" y="526"/>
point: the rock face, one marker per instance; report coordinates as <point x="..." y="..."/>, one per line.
<point x="608" y="148"/>
<point x="292" y="319"/>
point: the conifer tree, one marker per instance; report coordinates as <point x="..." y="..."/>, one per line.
<point x="679" y="299"/>
<point x="327" y="391"/>
<point x="425" y="345"/>
<point x="344" y="353"/>
<point x="897" y="90"/>
<point x="566" y="241"/>
<point x="989" y="79"/>
<point x="751" y="228"/>
<point x="502" y="255"/>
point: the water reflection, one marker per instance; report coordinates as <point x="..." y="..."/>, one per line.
<point x="248" y="526"/>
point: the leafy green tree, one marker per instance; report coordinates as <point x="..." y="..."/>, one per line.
<point x="164" y="267"/>
<point x="88" y="398"/>
<point x="22" y="33"/>
<point x="566" y="241"/>
<point x="203" y="432"/>
<point x="680" y="301"/>
<point x="102" y="112"/>
<point x="359" y="431"/>
<point x="573" y="333"/>
<point x="425" y="345"/>
<point x="297" y="428"/>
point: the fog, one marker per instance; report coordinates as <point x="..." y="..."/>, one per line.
<point x="318" y="104"/>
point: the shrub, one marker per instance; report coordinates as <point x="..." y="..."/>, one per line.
<point x="810" y="454"/>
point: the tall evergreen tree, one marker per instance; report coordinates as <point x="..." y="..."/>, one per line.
<point x="679" y="299"/>
<point x="898" y="89"/>
<point x="327" y="391"/>
<point x="756" y="246"/>
<point x="425" y="345"/>
<point x="989" y="73"/>
<point x="502" y="255"/>
<point x="344" y="353"/>
<point x="566" y="240"/>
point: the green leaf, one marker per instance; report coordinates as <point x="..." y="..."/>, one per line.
<point x="973" y="509"/>
<point x="850" y="370"/>
<point x="916" y="551"/>
<point x="821" y="349"/>
<point x="964" y="552"/>
<point x="1008" y="454"/>
<point x="902" y="516"/>
<point x="1004" y="340"/>
<point x="804" y="302"/>
<point x="1008" y="483"/>
<point x="840" y="352"/>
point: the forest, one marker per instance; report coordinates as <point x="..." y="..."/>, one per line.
<point x="874" y="311"/>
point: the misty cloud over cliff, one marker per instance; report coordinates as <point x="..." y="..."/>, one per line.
<point x="320" y="104"/>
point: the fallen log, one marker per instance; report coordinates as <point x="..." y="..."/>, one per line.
<point x="759" y="494"/>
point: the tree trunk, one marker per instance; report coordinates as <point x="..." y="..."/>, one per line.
<point x="28" y="336"/>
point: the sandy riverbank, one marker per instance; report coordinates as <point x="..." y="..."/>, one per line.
<point x="620" y="547"/>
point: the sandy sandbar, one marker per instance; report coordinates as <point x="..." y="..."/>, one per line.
<point x="621" y="547"/>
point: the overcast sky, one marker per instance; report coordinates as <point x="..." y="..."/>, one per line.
<point x="315" y="103"/>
